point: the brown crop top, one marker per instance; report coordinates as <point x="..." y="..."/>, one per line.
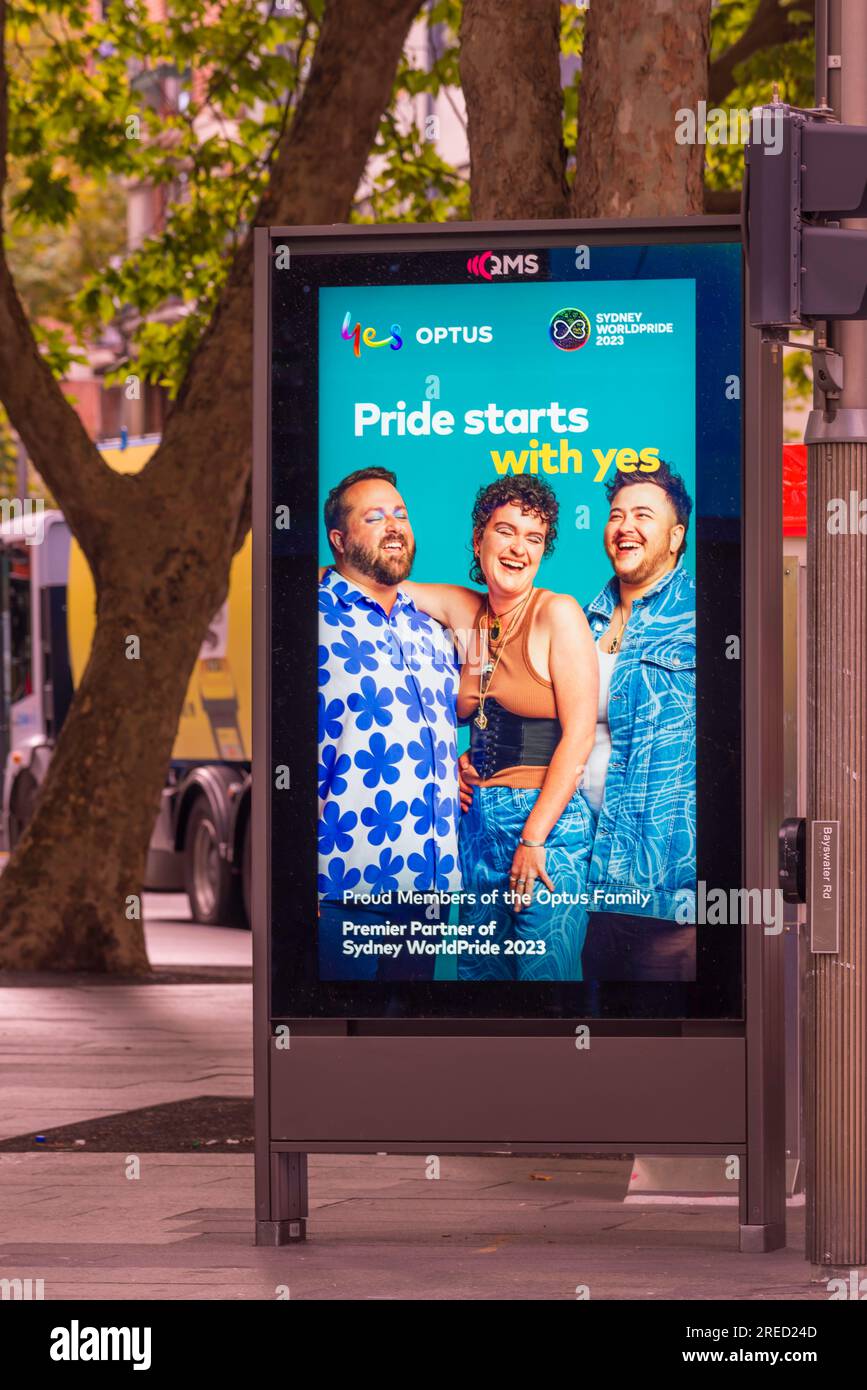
<point x="516" y="685"/>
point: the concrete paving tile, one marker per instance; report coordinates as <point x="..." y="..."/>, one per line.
<point x="379" y="1229"/>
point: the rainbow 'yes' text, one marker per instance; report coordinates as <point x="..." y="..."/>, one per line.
<point x="357" y="336"/>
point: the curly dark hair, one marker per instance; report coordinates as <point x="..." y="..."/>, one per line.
<point x="529" y="493"/>
<point x="672" y="485"/>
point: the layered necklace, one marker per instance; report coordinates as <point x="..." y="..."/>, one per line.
<point x="493" y="625"/>
<point x="615" y="641"/>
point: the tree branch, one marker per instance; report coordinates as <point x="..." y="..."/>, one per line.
<point x="313" y="181"/>
<point x="770" y="25"/>
<point x="353" y="68"/>
<point x="46" y="423"/>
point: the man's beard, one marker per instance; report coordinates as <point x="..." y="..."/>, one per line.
<point x="380" y="565"/>
<point x="653" y="563"/>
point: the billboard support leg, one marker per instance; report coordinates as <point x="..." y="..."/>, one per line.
<point x="759" y="1240"/>
<point x="755" y="1238"/>
<point x="288" y="1223"/>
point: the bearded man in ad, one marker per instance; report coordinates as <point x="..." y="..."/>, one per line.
<point x="388" y="791"/>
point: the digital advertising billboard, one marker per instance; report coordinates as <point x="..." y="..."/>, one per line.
<point x="510" y="481"/>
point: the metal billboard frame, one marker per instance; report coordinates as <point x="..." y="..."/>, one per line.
<point x="420" y="1086"/>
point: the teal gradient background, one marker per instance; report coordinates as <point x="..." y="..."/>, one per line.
<point x="638" y="395"/>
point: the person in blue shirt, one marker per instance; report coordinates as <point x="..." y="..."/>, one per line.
<point x="641" y="773"/>
<point x="388" y="790"/>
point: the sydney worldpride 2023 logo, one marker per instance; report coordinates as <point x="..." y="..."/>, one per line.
<point x="569" y="329"/>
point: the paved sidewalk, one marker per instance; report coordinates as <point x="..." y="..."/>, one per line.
<point x="173" y="939"/>
<point x="378" y="1230"/>
<point x="71" y="1053"/>
<point x="489" y="1228"/>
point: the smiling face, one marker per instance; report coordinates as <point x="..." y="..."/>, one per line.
<point x="510" y="550"/>
<point x="377" y="541"/>
<point x="642" y="535"/>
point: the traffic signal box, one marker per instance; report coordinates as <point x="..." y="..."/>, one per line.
<point x="804" y="175"/>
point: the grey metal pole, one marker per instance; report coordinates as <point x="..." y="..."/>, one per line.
<point x="836" y="1036"/>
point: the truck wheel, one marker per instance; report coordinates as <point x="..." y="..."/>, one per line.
<point x="207" y="876"/>
<point x="23" y="803"/>
<point x="247" y="872"/>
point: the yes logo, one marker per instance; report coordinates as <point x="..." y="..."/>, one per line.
<point x="359" y="335"/>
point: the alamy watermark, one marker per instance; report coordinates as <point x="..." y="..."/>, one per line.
<point x="847" y="516"/>
<point x="21" y="1290"/>
<point x="732" y="126"/>
<point x="855" y="1288"/>
<point x="77" y="1343"/>
<point x="715" y="907"/>
<point x="26" y="515"/>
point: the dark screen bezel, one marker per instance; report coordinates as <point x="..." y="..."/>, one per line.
<point x="336" y="257"/>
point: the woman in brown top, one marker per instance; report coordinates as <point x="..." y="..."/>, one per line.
<point x="529" y="690"/>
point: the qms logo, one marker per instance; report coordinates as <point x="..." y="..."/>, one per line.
<point x="569" y="329"/>
<point x="358" y="335"/>
<point x="486" y="265"/>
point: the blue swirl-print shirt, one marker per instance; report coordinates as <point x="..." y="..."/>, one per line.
<point x="645" y="835"/>
<point x="388" y="785"/>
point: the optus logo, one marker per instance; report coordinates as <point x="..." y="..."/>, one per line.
<point x="486" y="265"/>
<point x="569" y="329"/>
<point x="359" y="335"/>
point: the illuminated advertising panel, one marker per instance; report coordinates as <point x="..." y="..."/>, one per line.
<point x="511" y="536"/>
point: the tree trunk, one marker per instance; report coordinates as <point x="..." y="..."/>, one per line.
<point x="68" y="897"/>
<point x="160" y="543"/>
<point x="510" y="75"/>
<point x="644" y="60"/>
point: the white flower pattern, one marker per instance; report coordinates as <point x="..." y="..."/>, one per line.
<point x="388" y="788"/>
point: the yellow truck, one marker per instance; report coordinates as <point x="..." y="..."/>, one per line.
<point x="201" y="839"/>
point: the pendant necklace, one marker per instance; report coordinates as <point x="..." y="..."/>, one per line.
<point x="615" y="641"/>
<point x="496" y="624"/>
<point x="489" y="668"/>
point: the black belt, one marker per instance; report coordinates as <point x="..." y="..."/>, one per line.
<point x="511" y="741"/>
